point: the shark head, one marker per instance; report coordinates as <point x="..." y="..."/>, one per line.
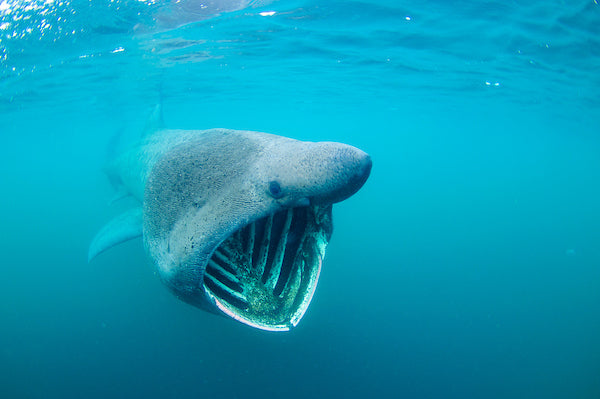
<point x="237" y="222"/>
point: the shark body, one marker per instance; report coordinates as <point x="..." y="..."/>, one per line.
<point x="235" y="222"/>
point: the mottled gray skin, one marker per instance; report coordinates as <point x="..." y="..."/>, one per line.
<point x="198" y="187"/>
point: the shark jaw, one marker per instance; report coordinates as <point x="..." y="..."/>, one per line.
<point x="265" y="274"/>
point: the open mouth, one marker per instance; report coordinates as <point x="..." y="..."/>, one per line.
<point x="265" y="273"/>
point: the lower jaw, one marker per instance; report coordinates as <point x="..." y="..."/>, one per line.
<point x="265" y="274"/>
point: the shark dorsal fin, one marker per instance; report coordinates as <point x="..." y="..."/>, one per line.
<point x="155" y="121"/>
<point x="122" y="228"/>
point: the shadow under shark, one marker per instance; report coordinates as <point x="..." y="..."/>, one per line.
<point x="236" y="222"/>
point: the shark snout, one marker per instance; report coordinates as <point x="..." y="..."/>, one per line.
<point x="348" y="168"/>
<point x="363" y="170"/>
<point x="359" y="171"/>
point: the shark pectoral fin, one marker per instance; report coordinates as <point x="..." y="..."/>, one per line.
<point x="123" y="228"/>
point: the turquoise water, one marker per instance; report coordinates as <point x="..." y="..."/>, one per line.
<point x="468" y="266"/>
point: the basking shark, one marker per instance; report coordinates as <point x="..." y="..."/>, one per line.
<point x="235" y="222"/>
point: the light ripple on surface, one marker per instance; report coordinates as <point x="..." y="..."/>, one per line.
<point x="344" y="48"/>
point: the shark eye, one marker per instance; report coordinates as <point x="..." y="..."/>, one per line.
<point x="275" y="190"/>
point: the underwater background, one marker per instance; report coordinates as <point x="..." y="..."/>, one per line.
<point x="468" y="266"/>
